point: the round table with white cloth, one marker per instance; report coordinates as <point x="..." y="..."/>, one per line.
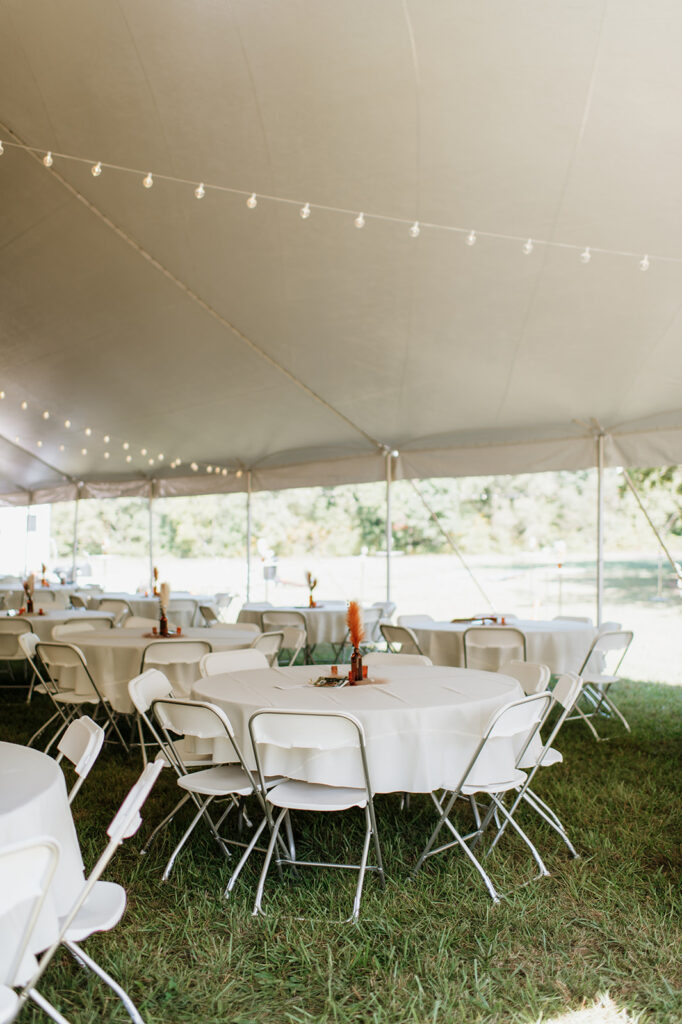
<point x="42" y="625"/>
<point x="147" y="606"/>
<point x="114" y="657"/>
<point x="34" y="803"/>
<point x="324" y="624"/>
<point x="422" y="725"/>
<point x="560" y="644"/>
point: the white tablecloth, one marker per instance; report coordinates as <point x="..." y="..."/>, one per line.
<point x="114" y="658"/>
<point x="323" y="624"/>
<point x="562" y="645"/>
<point x="421" y="726"/>
<point x="148" y="607"/>
<point x="34" y="802"/>
<point x="42" y="625"/>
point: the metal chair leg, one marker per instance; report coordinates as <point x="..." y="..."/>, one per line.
<point x="87" y="961"/>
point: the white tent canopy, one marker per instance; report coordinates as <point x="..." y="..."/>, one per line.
<point x="299" y="350"/>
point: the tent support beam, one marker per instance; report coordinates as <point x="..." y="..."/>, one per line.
<point x="248" y="535"/>
<point x="151" y="538"/>
<point x="389" y="522"/>
<point x="659" y="538"/>
<point x="600" y="527"/>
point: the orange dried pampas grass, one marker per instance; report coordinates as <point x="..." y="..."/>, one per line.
<point x="354" y="623"/>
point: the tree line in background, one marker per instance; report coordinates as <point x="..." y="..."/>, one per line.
<point x="529" y="513"/>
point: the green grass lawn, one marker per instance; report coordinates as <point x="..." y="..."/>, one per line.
<point x="426" y="950"/>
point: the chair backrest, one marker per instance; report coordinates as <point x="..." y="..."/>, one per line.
<point x="574" y="618"/>
<point x="231" y="661"/>
<point x="118" y="605"/>
<point x="77" y="601"/>
<point x="270" y="645"/>
<point x="606" y="654"/>
<point x="28" y="643"/>
<point x="520" y="719"/>
<point x="237" y="627"/>
<point x="185" y="607"/>
<point x="307" y="730"/>
<point x="64" y="628"/>
<point x="26" y="872"/>
<point x="10" y="631"/>
<point x="201" y="719"/>
<point x="148" y="686"/>
<point x="81" y="744"/>
<point x="534" y="678"/>
<point x="57" y="655"/>
<point x="208" y="614"/>
<point x="610" y="627"/>
<point x="223" y="600"/>
<point x="400" y="639"/>
<point x="371" y="618"/>
<point x="140" y="622"/>
<point x="416" y="621"/>
<point x="98" y="622"/>
<point x="497" y="641"/>
<point x="386" y="609"/>
<point x="387" y="658"/>
<point x="291" y="625"/>
<point x="564" y="695"/>
<point x="173" y="652"/>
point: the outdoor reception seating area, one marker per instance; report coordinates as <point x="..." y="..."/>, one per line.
<point x="340" y="437"/>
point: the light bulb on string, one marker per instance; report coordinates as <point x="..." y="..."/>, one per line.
<point x="252" y="201"/>
<point x="2" y="149"/>
<point x="47" y="159"/>
<point x="2" y="395"/>
<point x="67" y="424"/>
<point x="96" y="169"/>
<point x="359" y="220"/>
<point x="150" y="461"/>
<point x="61" y="447"/>
<point x="586" y="255"/>
<point x="305" y="211"/>
<point x="527" y="247"/>
<point x="46" y="415"/>
<point x="160" y="457"/>
<point x="209" y="469"/>
<point x="24" y="405"/>
<point x="88" y="431"/>
<point x="239" y="474"/>
<point x="84" y="451"/>
<point x="106" y="439"/>
<point x="200" y="191"/>
<point x="129" y="458"/>
<point x="125" y="446"/>
<point x="39" y="444"/>
<point x="106" y="455"/>
<point x="194" y="467"/>
<point x="143" y="451"/>
<point x="644" y="263"/>
<point x="177" y="462"/>
<point x="415" y="230"/>
<point x="471" y="238"/>
<point x="148" y="181"/>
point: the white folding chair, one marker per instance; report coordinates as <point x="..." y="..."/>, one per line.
<point x="386" y="609"/>
<point x="599" y="672"/>
<point x="387" y="658"/>
<point x="610" y="627"/>
<point x="77" y="601"/>
<point x="100" y="905"/>
<point x="231" y="661"/>
<point x="208" y="615"/>
<point x="60" y="658"/>
<point x="487" y="647"/>
<point x="26" y="872"/>
<point x="178" y="659"/>
<point x="80" y="744"/>
<point x="564" y="696"/>
<point x="42" y="683"/>
<point x="61" y="630"/>
<point x="521" y="719"/>
<point x="11" y="651"/>
<point x="534" y="678"/>
<point x="400" y="639"/>
<point x="293" y="626"/>
<point x="270" y="645"/>
<point x="118" y="606"/>
<point x="313" y="730"/>
<point x="238" y="628"/>
<point x="140" y="622"/>
<point x="371" y="620"/>
<point x="184" y="610"/>
<point x="233" y="781"/>
<point x="222" y="601"/>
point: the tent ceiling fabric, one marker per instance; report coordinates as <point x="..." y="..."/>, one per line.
<point x="553" y="121"/>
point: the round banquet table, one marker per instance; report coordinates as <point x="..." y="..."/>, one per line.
<point x="422" y="724"/>
<point x="562" y="645"/>
<point x="114" y="657"/>
<point x="148" y="606"/>
<point x="324" y="624"/>
<point x="33" y="803"/>
<point x="42" y="625"/>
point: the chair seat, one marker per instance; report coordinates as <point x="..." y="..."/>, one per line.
<point x="217" y="781"/>
<point x="552" y="756"/>
<point x="8" y="1004"/>
<point x="596" y="680"/>
<point x="190" y="758"/>
<point x="102" y="910"/>
<point x="310" y="796"/>
<point x="71" y="697"/>
<point x="516" y="779"/>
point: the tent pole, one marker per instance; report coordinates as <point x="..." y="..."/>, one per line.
<point x="600" y="527"/>
<point x="248" y="535"/>
<point x="389" y="523"/>
<point x="151" y="537"/>
<point x="74" y="563"/>
<point x="28" y="513"/>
